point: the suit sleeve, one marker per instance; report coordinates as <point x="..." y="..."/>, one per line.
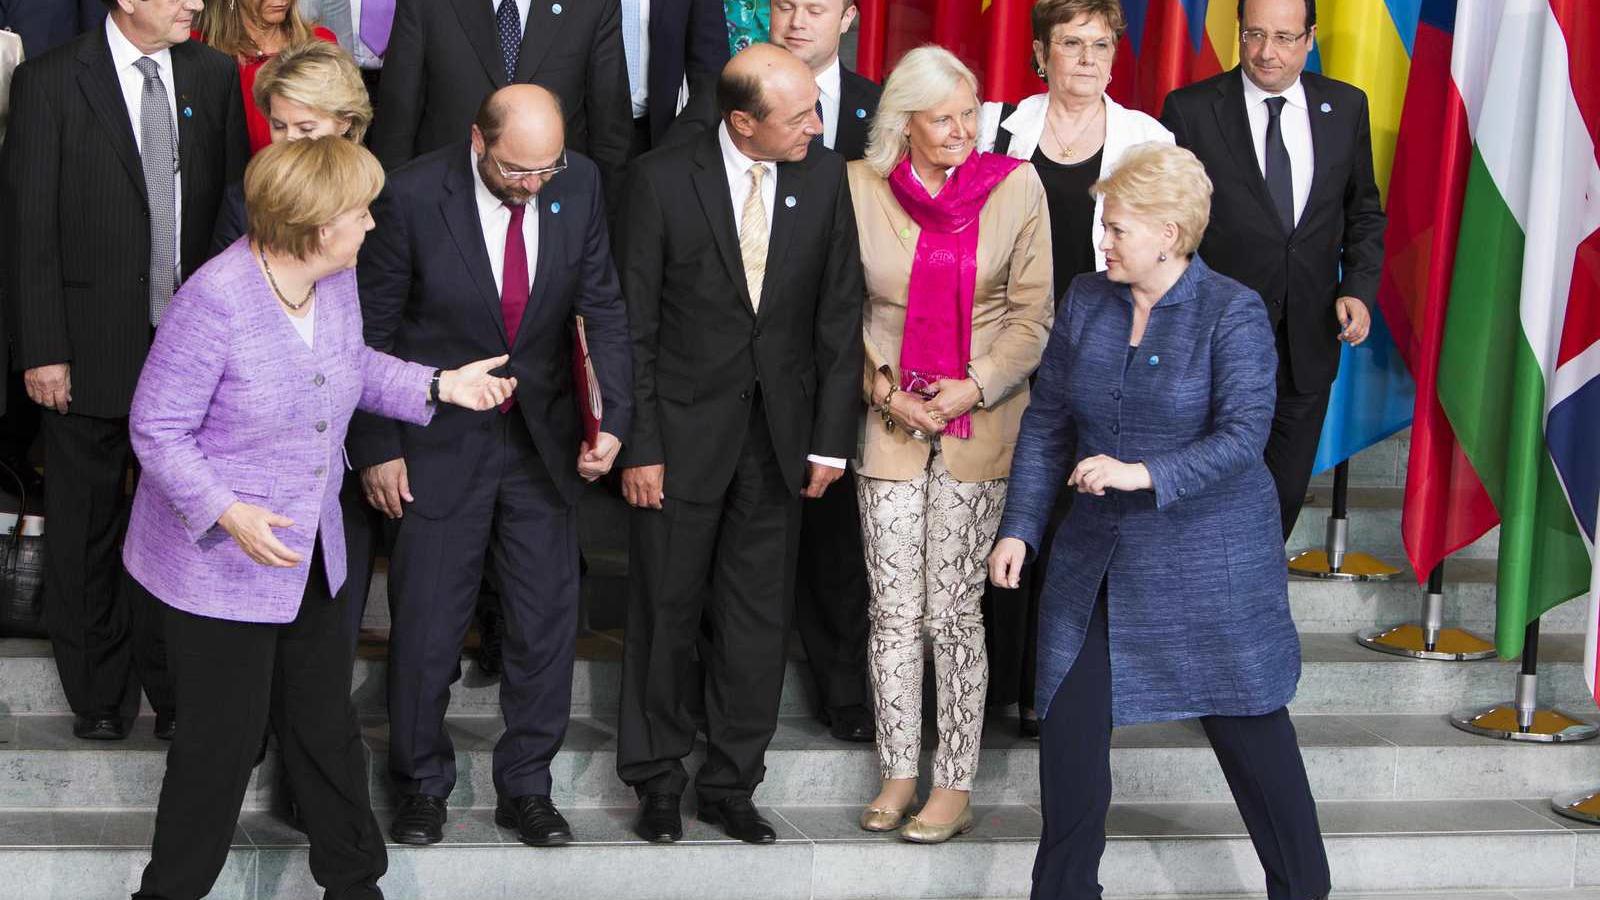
<point x="707" y="51"/>
<point x="32" y="177"/>
<point x="1040" y="463"/>
<point x="236" y="136"/>
<point x="1364" y="222"/>
<point x="641" y="236"/>
<point x="1015" y="353"/>
<point x="384" y="278"/>
<point x="610" y="110"/>
<point x="400" y="90"/>
<point x="837" y="334"/>
<point x="1244" y="391"/>
<point x="605" y="321"/>
<point x="231" y="219"/>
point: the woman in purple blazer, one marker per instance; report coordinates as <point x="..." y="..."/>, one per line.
<point x="239" y="423"/>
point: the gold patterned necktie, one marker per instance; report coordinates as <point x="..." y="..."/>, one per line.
<point x="753" y="235"/>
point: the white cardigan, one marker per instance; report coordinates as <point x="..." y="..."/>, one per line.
<point x="1124" y="128"/>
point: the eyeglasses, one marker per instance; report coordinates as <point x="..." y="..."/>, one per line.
<point x="1283" y="40"/>
<point x="1078" y="48"/>
<point x="524" y="174"/>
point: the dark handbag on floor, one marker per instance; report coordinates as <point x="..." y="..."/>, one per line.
<point x="21" y="571"/>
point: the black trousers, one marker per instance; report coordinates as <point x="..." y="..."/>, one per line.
<point x="101" y="623"/>
<point x="232" y="677"/>
<point x="830" y="595"/>
<point x="1259" y="755"/>
<point x="745" y="547"/>
<point x="1292" y="445"/>
<point x="513" y="511"/>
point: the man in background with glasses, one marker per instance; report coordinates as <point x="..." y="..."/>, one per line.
<point x="490" y="247"/>
<point x="1295" y="214"/>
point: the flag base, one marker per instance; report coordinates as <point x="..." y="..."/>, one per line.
<point x="1506" y="722"/>
<point x="1584" y="807"/>
<point x="1410" y="639"/>
<point x="1355" y="567"/>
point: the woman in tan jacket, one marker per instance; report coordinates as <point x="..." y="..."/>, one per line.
<point x="956" y="246"/>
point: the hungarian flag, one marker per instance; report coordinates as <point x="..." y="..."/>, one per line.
<point x="993" y="37"/>
<point x="1519" y="367"/>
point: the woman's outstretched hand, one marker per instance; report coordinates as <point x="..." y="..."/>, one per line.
<point x="1005" y="562"/>
<point x="472" y="387"/>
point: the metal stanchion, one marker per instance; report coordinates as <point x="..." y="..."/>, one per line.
<point x="1335" y="560"/>
<point x="1584" y="807"/>
<point x="1521" y="719"/>
<point x="1429" y="639"/>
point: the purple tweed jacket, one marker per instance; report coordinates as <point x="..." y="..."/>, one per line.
<point x="232" y="405"/>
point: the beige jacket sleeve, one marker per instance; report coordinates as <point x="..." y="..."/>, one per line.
<point x="1029" y="301"/>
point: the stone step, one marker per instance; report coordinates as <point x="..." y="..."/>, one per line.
<point x="1348" y="757"/>
<point x="1165" y="849"/>
<point x="1375" y="514"/>
<point x="1338" y="676"/>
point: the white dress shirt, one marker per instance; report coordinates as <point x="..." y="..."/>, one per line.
<point x="641" y="93"/>
<point x="495" y="220"/>
<point x="123" y="56"/>
<point x="828" y="80"/>
<point x="1295" y="123"/>
<point x="738" y="166"/>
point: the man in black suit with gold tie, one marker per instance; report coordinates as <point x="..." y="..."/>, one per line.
<point x="831" y="580"/>
<point x="1295" y="214"/>
<point x="742" y="273"/>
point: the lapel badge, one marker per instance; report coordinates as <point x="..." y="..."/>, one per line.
<point x="861" y="113"/>
<point x="1155" y="360"/>
<point x="555" y="208"/>
<point x="555" y="8"/>
<point x="905" y="234"/>
<point x="1327" y="107"/>
<point x="789" y="201"/>
<point x="188" y="112"/>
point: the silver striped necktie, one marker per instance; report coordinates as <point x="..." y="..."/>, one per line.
<point x="158" y="155"/>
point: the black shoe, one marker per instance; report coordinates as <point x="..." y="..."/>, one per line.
<point x="166" y="725"/>
<point x="420" y="820"/>
<point x="849" y="723"/>
<point x="659" y="821"/>
<point x="740" y="819"/>
<point x="99" y="728"/>
<point x="536" y="820"/>
<point x="1028" y="727"/>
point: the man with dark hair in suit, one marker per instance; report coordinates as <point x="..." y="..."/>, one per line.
<point x="1295" y="214"/>
<point x="445" y="56"/>
<point x="831" y="580"/>
<point x="742" y="272"/>
<point x="490" y="247"/>
<point x="673" y="47"/>
<point x="121" y="143"/>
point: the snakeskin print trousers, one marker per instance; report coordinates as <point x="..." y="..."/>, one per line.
<point x="927" y="542"/>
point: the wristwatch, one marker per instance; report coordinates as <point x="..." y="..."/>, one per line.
<point x="433" y="386"/>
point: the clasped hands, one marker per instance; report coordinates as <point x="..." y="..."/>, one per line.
<point x="928" y="414"/>
<point x="1094" y="475"/>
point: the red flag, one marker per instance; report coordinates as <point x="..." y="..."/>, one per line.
<point x="1007" y="72"/>
<point x="993" y="37"/>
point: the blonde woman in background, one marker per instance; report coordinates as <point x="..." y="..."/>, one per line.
<point x="253" y="32"/>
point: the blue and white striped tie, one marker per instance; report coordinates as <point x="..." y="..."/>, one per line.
<point x="631" y="42"/>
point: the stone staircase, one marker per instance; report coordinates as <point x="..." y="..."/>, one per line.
<point x="1408" y="804"/>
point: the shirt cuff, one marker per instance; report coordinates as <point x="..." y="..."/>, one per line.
<point x="832" y="462"/>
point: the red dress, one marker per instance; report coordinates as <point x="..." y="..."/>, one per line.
<point x="255" y="121"/>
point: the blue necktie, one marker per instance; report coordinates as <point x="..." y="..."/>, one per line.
<point x="631" y="42"/>
<point x="510" y="28"/>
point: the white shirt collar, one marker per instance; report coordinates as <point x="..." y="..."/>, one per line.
<point x="733" y="159"/>
<point x="488" y="204"/>
<point x="124" y="54"/>
<point x="829" y="79"/>
<point x="924" y="184"/>
<point x="1253" y="94"/>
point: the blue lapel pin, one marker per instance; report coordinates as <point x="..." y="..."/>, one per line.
<point x="188" y="112"/>
<point x="556" y="8"/>
<point x="789" y="201"/>
<point x="1327" y="107"/>
<point x="1155" y="360"/>
<point x="555" y="208"/>
<point x="861" y="113"/>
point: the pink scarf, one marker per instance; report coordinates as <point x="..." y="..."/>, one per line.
<point x="944" y="273"/>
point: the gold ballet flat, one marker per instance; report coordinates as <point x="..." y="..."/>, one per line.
<point x="875" y="819"/>
<point x="919" y="832"/>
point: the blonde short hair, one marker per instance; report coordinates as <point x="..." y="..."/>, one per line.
<point x="318" y="75"/>
<point x="924" y="78"/>
<point x="1165" y="183"/>
<point x="293" y="188"/>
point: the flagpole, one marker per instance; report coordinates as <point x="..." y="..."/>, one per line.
<point x="1522" y="719"/>
<point x="1335" y="561"/>
<point x="1429" y="638"/>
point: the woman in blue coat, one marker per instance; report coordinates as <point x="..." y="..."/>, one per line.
<point x="1167" y="595"/>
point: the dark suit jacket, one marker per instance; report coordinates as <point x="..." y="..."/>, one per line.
<point x="687" y="37"/>
<point x="231" y="218"/>
<point x="1336" y="249"/>
<point x="444" y="58"/>
<point x="699" y="349"/>
<point x="428" y="294"/>
<point x="74" y="200"/>
<point x="858" y="103"/>
<point x="47" y="24"/>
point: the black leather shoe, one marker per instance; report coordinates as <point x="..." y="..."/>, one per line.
<point x="166" y="725"/>
<point x="1028" y="727"/>
<point x="850" y="723"/>
<point x="536" y="820"/>
<point x="659" y="820"/>
<point x="740" y="819"/>
<point x="419" y="820"/>
<point x="99" y="728"/>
